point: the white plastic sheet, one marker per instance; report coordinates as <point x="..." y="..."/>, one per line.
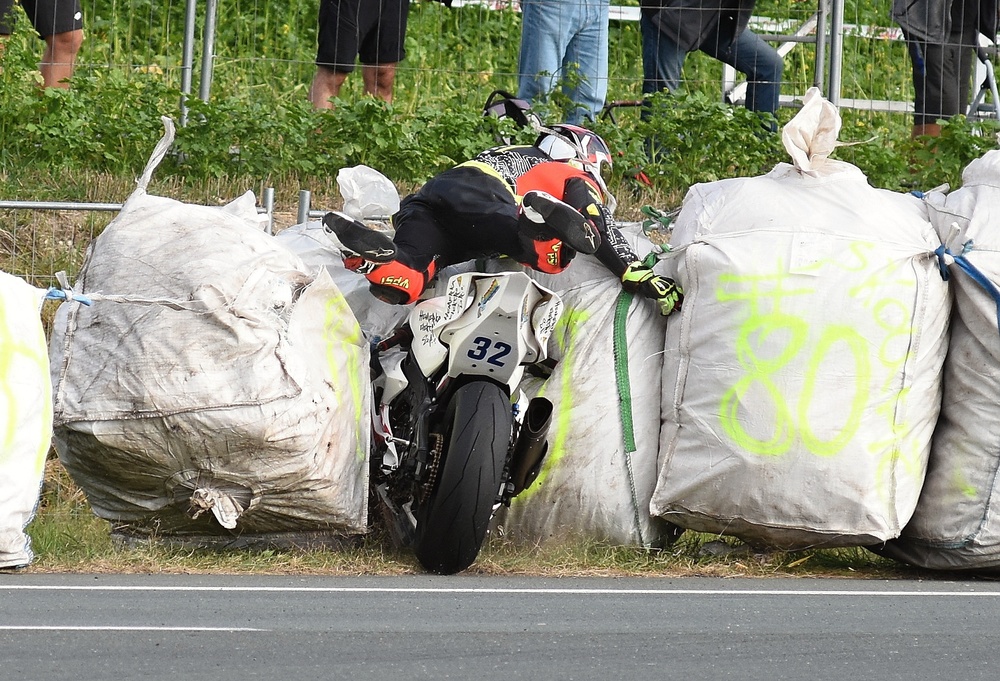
<point x="368" y="194"/>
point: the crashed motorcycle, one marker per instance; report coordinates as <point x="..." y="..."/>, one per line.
<point x="453" y="437"/>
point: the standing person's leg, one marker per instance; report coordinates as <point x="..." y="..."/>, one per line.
<point x="60" y="24"/>
<point x="383" y="35"/>
<point x="936" y="90"/>
<point x="923" y="123"/>
<point x="545" y="33"/>
<point x="942" y="73"/>
<point x="379" y="80"/>
<point x="337" y="51"/>
<point x="763" y="66"/>
<point x="965" y="31"/>
<point x="949" y="73"/>
<point x="588" y="51"/>
<point x="662" y="58"/>
<point x="662" y="64"/>
<point x="6" y="21"/>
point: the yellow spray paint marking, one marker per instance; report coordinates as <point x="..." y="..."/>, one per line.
<point x="343" y="336"/>
<point x="565" y="333"/>
<point x="13" y="349"/>
<point x="863" y="376"/>
<point x="962" y="484"/>
<point x="767" y="329"/>
<point x="758" y="371"/>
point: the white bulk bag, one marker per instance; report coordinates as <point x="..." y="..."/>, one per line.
<point x="954" y="525"/>
<point x="25" y="414"/>
<point x="600" y="470"/>
<point x="802" y="377"/>
<point x="216" y="384"/>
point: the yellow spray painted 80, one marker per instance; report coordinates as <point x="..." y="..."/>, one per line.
<point x="769" y="339"/>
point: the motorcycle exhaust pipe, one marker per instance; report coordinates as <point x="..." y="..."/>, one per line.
<point x="531" y="445"/>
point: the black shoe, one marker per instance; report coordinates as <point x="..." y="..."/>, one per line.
<point x="370" y="244"/>
<point x="566" y="223"/>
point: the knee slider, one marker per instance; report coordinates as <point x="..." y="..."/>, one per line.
<point x="550" y="256"/>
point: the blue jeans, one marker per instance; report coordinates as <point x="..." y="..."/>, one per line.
<point x="567" y="41"/>
<point x="662" y="61"/>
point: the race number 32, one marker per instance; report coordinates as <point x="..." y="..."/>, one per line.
<point x="492" y="351"/>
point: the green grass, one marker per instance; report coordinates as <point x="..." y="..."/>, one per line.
<point x="68" y="537"/>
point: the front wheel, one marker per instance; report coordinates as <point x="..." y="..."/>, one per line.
<point x="452" y="523"/>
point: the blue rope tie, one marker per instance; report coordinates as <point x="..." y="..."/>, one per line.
<point x="59" y="294"/>
<point x="946" y="257"/>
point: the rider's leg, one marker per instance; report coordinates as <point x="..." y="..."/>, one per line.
<point x="391" y="275"/>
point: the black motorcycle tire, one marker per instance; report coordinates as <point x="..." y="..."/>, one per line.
<point x="453" y="522"/>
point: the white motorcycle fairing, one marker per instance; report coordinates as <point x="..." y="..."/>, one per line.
<point x="485" y="324"/>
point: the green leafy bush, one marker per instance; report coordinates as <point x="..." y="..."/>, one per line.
<point x="258" y="127"/>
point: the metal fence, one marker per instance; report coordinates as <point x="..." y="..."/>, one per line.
<point x="820" y="30"/>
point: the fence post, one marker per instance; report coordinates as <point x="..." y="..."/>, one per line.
<point x="822" y="15"/>
<point x="269" y="209"/>
<point x="187" y="58"/>
<point x="304" y="200"/>
<point x="208" y="52"/>
<point x="836" y="52"/>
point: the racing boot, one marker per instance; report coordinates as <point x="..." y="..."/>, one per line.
<point x="372" y="254"/>
<point x="358" y="240"/>
<point x="544" y="216"/>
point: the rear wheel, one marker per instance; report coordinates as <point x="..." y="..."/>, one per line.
<point x="452" y="522"/>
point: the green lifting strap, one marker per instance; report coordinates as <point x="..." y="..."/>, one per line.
<point x="620" y="346"/>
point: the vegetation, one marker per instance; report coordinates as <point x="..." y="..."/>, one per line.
<point x="67" y="537"/>
<point x="257" y="127"/>
<point x="257" y="130"/>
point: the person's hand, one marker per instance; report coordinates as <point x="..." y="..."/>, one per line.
<point x="639" y="278"/>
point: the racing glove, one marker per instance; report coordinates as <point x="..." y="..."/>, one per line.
<point x="639" y="278"/>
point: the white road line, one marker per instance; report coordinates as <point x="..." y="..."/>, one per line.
<point x="450" y="590"/>
<point x="66" y="627"/>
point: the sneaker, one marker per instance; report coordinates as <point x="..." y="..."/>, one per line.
<point x="563" y="220"/>
<point x="356" y="237"/>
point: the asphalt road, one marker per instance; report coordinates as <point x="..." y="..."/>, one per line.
<point x="183" y="628"/>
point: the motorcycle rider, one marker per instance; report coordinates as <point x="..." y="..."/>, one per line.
<point x="539" y="204"/>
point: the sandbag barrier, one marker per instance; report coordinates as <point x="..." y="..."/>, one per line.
<point x="671" y="454"/>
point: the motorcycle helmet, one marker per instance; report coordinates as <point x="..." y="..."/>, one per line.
<point x="579" y="146"/>
<point x="501" y="104"/>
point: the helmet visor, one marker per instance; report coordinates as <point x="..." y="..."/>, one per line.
<point x="559" y="149"/>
